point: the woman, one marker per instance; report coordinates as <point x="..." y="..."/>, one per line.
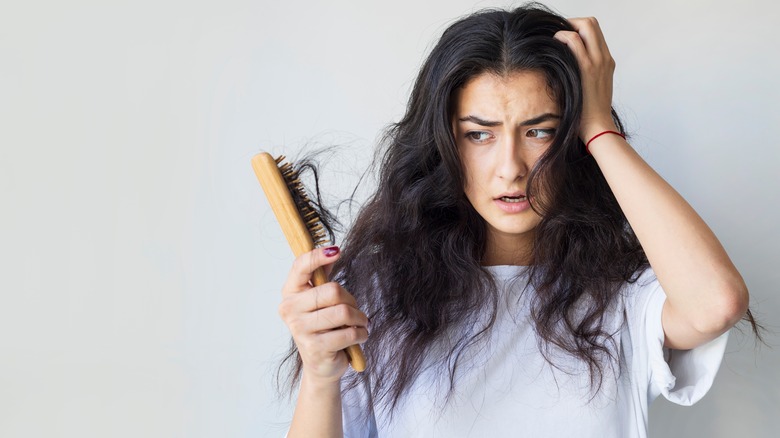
<point x="525" y="272"/>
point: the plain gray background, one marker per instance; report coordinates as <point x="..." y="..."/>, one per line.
<point x="140" y="264"/>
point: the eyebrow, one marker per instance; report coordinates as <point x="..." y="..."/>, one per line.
<point x="533" y="121"/>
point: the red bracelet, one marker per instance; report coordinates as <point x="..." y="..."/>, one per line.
<point x="599" y="135"/>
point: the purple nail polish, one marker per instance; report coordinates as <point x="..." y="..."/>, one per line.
<point x="330" y="251"/>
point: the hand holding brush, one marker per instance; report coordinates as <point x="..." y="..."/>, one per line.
<point x="323" y="317"/>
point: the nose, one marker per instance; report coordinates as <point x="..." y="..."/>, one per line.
<point x="511" y="162"/>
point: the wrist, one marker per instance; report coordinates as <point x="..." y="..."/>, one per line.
<point x="599" y="135"/>
<point x="313" y="383"/>
<point x="594" y="129"/>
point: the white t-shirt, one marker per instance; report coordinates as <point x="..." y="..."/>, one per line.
<point x="508" y="389"/>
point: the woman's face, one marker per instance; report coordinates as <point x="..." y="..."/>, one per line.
<point x="502" y="126"/>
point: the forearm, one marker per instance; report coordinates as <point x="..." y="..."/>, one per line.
<point x="697" y="275"/>
<point x="318" y="410"/>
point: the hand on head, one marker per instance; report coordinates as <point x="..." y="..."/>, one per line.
<point x="597" y="68"/>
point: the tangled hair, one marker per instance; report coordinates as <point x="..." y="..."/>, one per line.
<point x="413" y="258"/>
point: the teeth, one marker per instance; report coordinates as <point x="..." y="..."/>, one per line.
<point x="508" y="199"/>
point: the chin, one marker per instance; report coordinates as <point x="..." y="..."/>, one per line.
<point x="509" y="230"/>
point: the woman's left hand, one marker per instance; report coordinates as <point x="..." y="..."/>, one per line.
<point x="597" y="68"/>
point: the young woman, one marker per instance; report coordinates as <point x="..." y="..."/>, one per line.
<point x="524" y="271"/>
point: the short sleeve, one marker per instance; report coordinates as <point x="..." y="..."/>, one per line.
<point x="681" y="376"/>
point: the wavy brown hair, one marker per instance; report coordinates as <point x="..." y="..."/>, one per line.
<point x="412" y="258"/>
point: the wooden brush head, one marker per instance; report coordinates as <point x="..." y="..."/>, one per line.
<point x="302" y="202"/>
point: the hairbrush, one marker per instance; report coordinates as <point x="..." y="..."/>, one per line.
<point x="300" y="222"/>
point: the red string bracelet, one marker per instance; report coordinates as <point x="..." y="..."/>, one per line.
<point x="599" y="135"/>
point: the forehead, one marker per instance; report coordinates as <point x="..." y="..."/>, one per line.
<point x="521" y="93"/>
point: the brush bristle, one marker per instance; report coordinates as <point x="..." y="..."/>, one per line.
<point x="302" y="202"/>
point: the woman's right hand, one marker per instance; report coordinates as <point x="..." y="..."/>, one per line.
<point x="323" y="320"/>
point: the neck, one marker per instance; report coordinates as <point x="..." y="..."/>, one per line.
<point x="503" y="249"/>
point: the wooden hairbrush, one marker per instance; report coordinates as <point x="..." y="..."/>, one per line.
<point x="299" y="221"/>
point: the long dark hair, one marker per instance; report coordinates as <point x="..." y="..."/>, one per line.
<point x="412" y="258"/>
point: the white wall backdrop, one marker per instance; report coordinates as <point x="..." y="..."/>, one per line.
<point x="140" y="264"/>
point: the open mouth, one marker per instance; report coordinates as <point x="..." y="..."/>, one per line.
<point x="512" y="199"/>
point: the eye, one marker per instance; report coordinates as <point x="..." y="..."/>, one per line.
<point x="545" y="134"/>
<point x="478" y="136"/>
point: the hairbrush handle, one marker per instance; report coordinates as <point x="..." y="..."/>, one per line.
<point x="294" y="229"/>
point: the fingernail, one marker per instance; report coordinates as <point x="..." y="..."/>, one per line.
<point x="330" y="251"/>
